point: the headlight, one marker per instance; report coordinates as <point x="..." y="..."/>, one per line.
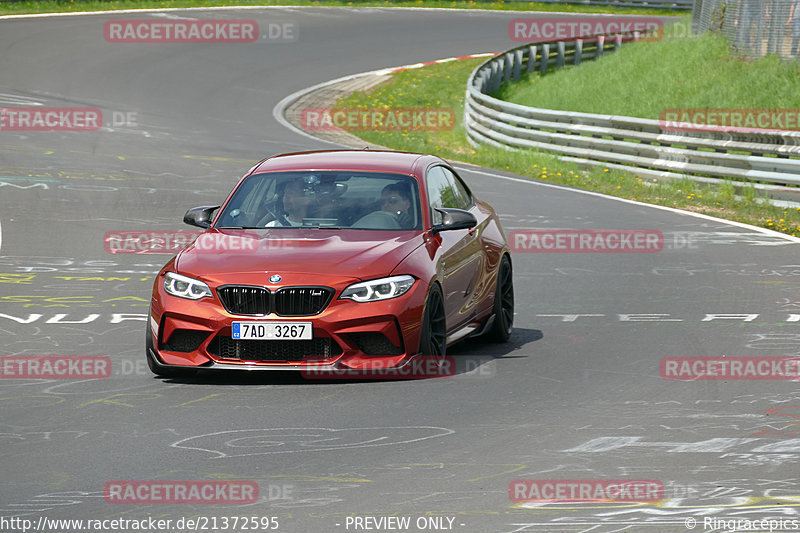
<point x="184" y="287"/>
<point x="379" y="289"/>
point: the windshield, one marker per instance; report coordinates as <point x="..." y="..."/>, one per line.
<point x="328" y="199"/>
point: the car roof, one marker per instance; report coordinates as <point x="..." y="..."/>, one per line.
<point x="362" y="160"/>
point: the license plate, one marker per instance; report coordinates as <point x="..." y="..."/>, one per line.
<point x="294" y="331"/>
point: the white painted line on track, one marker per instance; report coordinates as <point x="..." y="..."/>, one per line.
<point x="281" y="106"/>
<point x="351" y="8"/>
<point x="765" y="231"/>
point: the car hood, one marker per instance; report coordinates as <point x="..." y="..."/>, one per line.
<point x="308" y="256"/>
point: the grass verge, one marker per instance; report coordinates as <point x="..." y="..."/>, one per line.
<point x="443" y="85"/>
<point x="676" y="72"/>
<point x="18" y="7"/>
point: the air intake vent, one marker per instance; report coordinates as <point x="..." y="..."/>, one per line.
<point x="273" y="350"/>
<point x="184" y="340"/>
<point x="374" y="343"/>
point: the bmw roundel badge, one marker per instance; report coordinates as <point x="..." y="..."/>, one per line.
<point x="275" y="278"/>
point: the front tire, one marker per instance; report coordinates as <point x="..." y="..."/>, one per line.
<point x="433" y="339"/>
<point x="500" y="330"/>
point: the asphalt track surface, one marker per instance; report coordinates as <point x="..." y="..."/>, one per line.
<point x="569" y="397"/>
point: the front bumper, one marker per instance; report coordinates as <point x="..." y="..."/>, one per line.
<point x="196" y="334"/>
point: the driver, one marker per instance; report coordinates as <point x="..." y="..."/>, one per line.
<point x="295" y="205"/>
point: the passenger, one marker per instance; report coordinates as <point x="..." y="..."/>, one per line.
<point x="396" y="199"/>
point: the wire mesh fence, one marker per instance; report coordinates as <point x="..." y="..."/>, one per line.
<point x="753" y="27"/>
<point x="653" y="4"/>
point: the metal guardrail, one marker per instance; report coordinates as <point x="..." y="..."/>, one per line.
<point x="656" y="4"/>
<point x="636" y="144"/>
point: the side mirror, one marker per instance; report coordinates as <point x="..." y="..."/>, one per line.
<point x="455" y="219"/>
<point x="200" y="216"/>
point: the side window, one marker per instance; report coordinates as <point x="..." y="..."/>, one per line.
<point x="463" y="196"/>
<point x="440" y="192"/>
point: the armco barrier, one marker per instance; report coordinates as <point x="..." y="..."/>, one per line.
<point x="639" y="145"/>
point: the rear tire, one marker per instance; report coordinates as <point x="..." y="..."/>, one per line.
<point x="500" y="330"/>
